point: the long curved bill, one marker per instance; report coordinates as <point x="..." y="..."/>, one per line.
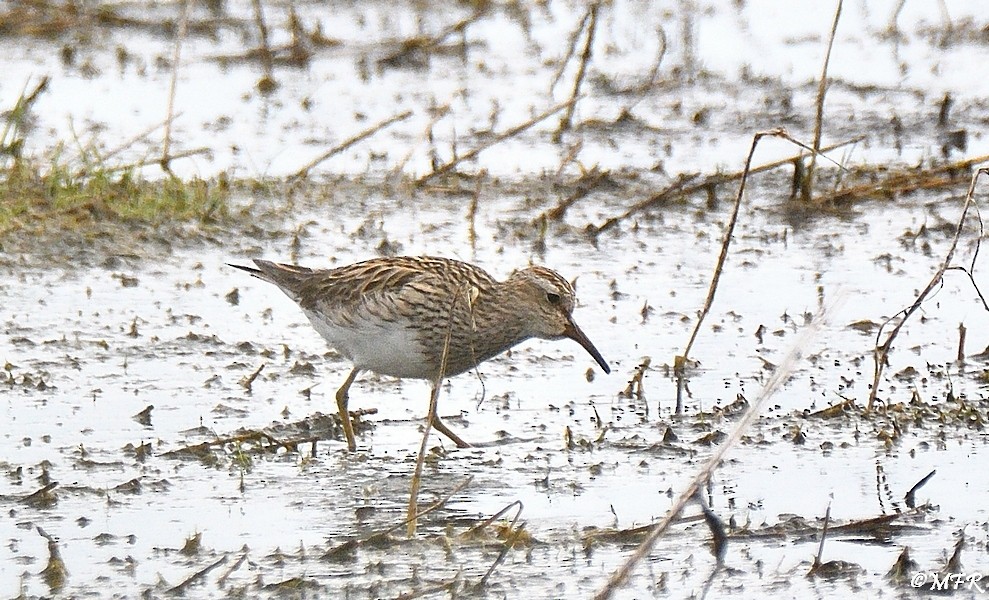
<point x="573" y="332"/>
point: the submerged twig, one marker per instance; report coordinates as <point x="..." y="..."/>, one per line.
<point x="349" y="546"/>
<point x="585" y="185"/>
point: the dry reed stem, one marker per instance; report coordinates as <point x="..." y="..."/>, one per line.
<point x="412" y="516"/>
<point x="780" y="375"/>
<point x="509" y="542"/>
<point x="420" y="43"/>
<point x="472" y="215"/>
<point x="585" y="185"/>
<point x="642" y="89"/>
<point x="585" y="58"/>
<point x="363" y="135"/>
<point x="166" y="158"/>
<point x="470" y="154"/>
<point x="152" y="161"/>
<point x="129" y="143"/>
<point x="881" y="352"/>
<point x="807" y="185"/>
<point x="681" y="187"/>
<point x="571" y="50"/>
<point x="935" y="177"/>
<point x="435" y="506"/>
<point x="680" y="362"/>
<point x="266" y="62"/>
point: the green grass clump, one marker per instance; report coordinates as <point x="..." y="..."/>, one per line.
<point x="50" y="194"/>
<point x="54" y="197"/>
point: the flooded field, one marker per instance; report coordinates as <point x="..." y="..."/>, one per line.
<point x="171" y="428"/>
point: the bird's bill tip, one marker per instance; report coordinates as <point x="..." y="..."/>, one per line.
<point x="573" y="332"/>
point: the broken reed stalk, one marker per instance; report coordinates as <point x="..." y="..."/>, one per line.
<point x="363" y="135"/>
<point x="222" y="579"/>
<point x="780" y="375"/>
<point x="470" y="154"/>
<point x="881" y="352"/>
<point x="680" y="362"/>
<point x="585" y="58"/>
<point x="910" y="498"/>
<point x="807" y="185"/>
<point x="166" y="145"/>
<point x="54" y="573"/>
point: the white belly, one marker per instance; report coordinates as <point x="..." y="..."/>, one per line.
<point x="385" y="349"/>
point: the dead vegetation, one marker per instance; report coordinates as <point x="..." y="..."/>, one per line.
<point x="46" y="196"/>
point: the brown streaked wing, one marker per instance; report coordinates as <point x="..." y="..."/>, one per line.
<point x="380" y="278"/>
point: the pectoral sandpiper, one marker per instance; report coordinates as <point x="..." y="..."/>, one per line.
<point x="394" y="316"/>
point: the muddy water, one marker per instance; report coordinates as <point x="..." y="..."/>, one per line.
<point x="140" y="508"/>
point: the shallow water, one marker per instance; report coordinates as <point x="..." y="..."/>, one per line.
<point x="112" y="336"/>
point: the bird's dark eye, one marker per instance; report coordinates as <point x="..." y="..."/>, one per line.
<point x="553" y="297"/>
